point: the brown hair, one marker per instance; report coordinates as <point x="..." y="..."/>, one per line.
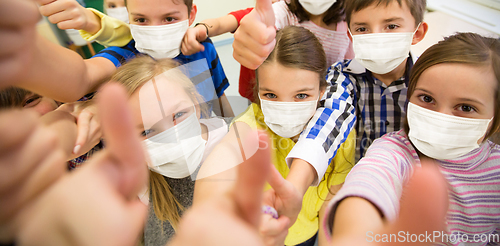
<point x="297" y="47"/>
<point x="189" y="4"/>
<point x="417" y="7"/>
<point x="133" y="75"/>
<point x="13" y="97"/>
<point x="333" y="15"/>
<point x="463" y="48"/>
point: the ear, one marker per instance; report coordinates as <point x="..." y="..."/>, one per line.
<point x="420" y="33"/>
<point x="192" y="14"/>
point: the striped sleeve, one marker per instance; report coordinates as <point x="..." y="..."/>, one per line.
<point x="218" y="75"/>
<point x="118" y="55"/>
<point x="379" y="178"/>
<point x="330" y="125"/>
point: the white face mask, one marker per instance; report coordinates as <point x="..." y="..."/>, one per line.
<point x="119" y="13"/>
<point x="317" y="7"/>
<point x="177" y="152"/>
<point x="441" y="136"/>
<point x="287" y="119"/>
<point x="382" y="52"/>
<point x="159" y="42"/>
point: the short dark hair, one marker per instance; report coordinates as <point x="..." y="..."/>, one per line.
<point x="13" y="97"/>
<point x="417" y="7"/>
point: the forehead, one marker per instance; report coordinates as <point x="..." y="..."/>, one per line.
<point x="161" y="96"/>
<point x="380" y="11"/>
<point x="277" y="77"/>
<point x="155" y="6"/>
<point x="460" y="81"/>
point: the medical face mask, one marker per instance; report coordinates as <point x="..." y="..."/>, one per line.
<point x="316" y="7"/>
<point x="382" y="52"/>
<point x="441" y="136"/>
<point x="178" y="151"/>
<point x="159" y="42"/>
<point x="287" y="119"/>
<point x="119" y="13"/>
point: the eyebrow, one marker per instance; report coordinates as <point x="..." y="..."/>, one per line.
<point x="264" y="89"/>
<point x="138" y="14"/>
<point x="470" y="100"/>
<point x="306" y="89"/>
<point x="171" y="13"/>
<point x="394" y="19"/>
<point x="424" y="90"/>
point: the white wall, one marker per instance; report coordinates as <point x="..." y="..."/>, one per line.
<point x="208" y="9"/>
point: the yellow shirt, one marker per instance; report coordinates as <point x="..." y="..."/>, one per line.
<point x="113" y="32"/>
<point x="307" y="223"/>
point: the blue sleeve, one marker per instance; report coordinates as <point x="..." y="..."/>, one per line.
<point x="218" y="76"/>
<point x="119" y="55"/>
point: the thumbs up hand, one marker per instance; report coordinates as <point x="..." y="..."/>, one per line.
<point x="255" y="38"/>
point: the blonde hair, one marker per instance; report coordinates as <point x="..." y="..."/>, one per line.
<point x="135" y="74"/>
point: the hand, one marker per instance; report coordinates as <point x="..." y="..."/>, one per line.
<point x="89" y="129"/>
<point x="423" y="208"/>
<point x="191" y="41"/>
<point x="69" y="14"/>
<point x="255" y="38"/>
<point x="97" y="204"/>
<point x="18" y="20"/>
<point x="230" y="218"/>
<point x="30" y="161"/>
<point x="287" y="200"/>
<point x="274" y="231"/>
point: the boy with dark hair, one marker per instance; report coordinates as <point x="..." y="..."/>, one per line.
<point x="157" y="29"/>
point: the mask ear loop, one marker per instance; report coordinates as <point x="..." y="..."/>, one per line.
<point x="418" y="26"/>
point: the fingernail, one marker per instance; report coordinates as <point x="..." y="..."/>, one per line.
<point x="76" y="149"/>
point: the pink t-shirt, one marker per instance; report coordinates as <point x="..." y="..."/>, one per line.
<point x="336" y="44"/>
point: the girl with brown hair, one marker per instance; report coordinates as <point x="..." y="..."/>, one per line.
<point x="290" y="84"/>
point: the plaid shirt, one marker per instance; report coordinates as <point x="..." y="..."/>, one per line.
<point x="353" y="98"/>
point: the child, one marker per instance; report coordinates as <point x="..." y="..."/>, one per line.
<point x="454" y="107"/>
<point x="13" y="97"/>
<point x="88" y="132"/>
<point x="325" y="19"/>
<point x="290" y="83"/>
<point x="177" y="144"/>
<point x="373" y="103"/>
<point x="116" y="9"/>
<point x="157" y="28"/>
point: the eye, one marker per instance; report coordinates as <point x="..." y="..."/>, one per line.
<point x="301" y="96"/>
<point x="140" y="20"/>
<point x="466" y="108"/>
<point x="146" y="133"/>
<point x="361" y="29"/>
<point x="178" y="115"/>
<point x="111" y="5"/>
<point x="392" y="26"/>
<point x="270" y="96"/>
<point x="426" y="98"/>
<point x="170" y="19"/>
<point x="32" y="101"/>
